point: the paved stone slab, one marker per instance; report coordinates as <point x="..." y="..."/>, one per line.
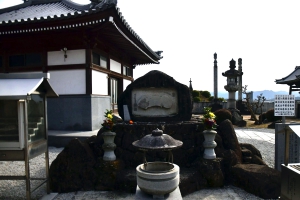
<point x="49" y="196"/>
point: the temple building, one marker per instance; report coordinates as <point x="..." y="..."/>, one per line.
<point x="89" y="51"/>
<point x="292" y="80"/>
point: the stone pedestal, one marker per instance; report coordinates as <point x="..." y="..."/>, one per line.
<point x="109" y="146"/>
<point x="175" y="195"/>
<point x="159" y="181"/>
<point x="209" y="144"/>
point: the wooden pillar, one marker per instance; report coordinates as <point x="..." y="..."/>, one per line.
<point x="88" y="72"/>
<point x="108" y="67"/>
<point x="5" y="63"/>
<point x="44" y="62"/>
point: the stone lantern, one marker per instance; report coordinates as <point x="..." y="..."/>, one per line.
<point x="233" y="85"/>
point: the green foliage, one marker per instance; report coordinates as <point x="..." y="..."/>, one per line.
<point x="196" y="99"/>
<point x="205" y="93"/>
<point x="195" y="93"/>
<point x="221" y="99"/>
<point x="222" y="114"/>
<point x="271" y="117"/>
<point x="211" y="98"/>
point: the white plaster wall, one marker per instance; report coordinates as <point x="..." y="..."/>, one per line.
<point x="68" y="81"/>
<point x="73" y="57"/>
<point x="99" y="83"/>
<point x="125" y="83"/>
<point x="115" y="66"/>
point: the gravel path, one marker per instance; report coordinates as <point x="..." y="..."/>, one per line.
<point x="15" y="190"/>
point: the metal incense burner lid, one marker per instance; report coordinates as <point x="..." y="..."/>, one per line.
<point x="157" y="141"/>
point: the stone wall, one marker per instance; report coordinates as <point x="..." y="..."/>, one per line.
<point x="80" y="165"/>
<point x="189" y="132"/>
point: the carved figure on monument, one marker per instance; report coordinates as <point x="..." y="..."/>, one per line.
<point x="163" y="101"/>
<point x="155" y="102"/>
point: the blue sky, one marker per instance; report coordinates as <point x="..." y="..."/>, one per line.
<point x="263" y="33"/>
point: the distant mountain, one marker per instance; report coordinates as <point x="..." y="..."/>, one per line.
<point x="268" y="94"/>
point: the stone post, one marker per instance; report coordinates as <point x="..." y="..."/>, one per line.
<point x="215" y="77"/>
<point x="191" y="87"/>
<point x="240" y="80"/>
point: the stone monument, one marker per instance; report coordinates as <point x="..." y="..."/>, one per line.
<point x="156" y="97"/>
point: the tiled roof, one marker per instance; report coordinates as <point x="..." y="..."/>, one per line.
<point x="43" y="9"/>
<point x="37" y="11"/>
<point x="291" y="78"/>
<point x="46" y="10"/>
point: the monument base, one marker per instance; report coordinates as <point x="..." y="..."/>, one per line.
<point x="175" y="195"/>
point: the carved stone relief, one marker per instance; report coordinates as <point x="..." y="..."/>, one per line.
<point x="153" y="102"/>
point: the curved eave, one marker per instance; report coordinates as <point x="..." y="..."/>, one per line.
<point x="132" y="32"/>
<point x="232" y="73"/>
<point x="125" y="42"/>
<point x="291" y="78"/>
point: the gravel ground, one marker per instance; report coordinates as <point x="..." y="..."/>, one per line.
<point x="15" y="190"/>
<point x="264" y="147"/>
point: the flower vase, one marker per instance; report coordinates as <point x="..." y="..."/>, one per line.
<point x="109" y="146"/>
<point x="209" y="144"/>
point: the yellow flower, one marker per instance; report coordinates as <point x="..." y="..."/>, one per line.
<point x="212" y="115"/>
<point x="109" y="116"/>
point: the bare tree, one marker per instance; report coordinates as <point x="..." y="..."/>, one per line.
<point x="259" y="103"/>
<point x="249" y="105"/>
